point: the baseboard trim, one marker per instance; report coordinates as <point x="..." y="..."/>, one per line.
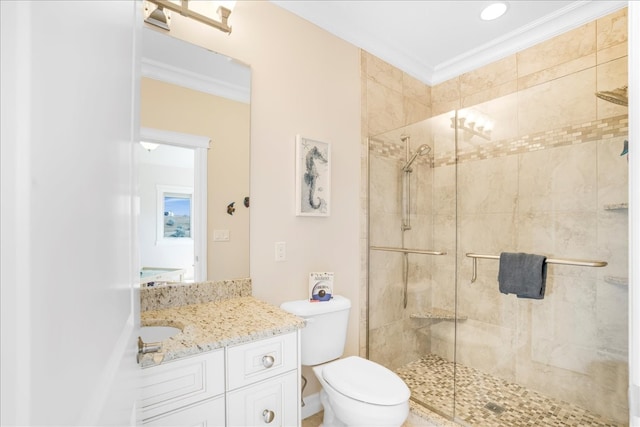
<point x="312" y="405"/>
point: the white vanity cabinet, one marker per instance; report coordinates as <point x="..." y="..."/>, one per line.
<point x="250" y="384"/>
<point x="262" y="382"/>
<point x="187" y="391"/>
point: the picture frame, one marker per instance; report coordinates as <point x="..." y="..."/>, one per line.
<point x="313" y="177"/>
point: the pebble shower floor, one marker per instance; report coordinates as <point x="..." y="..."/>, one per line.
<point x="485" y="401"/>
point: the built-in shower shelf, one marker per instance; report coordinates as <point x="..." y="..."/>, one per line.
<point x="437" y="314"/>
<point x="616" y="280"/>
<point x="616" y="206"/>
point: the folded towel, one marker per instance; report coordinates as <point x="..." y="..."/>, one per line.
<point x="522" y="274"/>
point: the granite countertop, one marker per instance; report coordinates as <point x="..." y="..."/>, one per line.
<point x="212" y="325"/>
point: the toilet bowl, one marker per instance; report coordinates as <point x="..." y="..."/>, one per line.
<point x="359" y="392"/>
<point x="355" y="391"/>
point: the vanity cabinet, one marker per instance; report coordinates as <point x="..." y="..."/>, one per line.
<point x="249" y="384"/>
<point x="262" y="382"/>
<point x="185" y="391"/>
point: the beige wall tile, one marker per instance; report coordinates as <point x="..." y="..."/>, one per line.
<point x="614" y="52"/>
<point x="492" y="93"/>
<point x="558" y="180"/>
<point x="384" y="73"/>
<point x="561" y="70"/>
<point x="494" y="74"/>
<point x="446" y="91"/>
<point x="415" y="111"/>
<point x="563" y="48"/>
<point x="385" y="108"/>
<point x="612" y="29"/>
<point x="416" y="90"/>
<point x="554" y="104"/>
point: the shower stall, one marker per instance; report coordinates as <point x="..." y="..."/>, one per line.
<point x="447" y="196"/>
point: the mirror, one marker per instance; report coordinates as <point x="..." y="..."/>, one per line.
<point x="194" y="184"/>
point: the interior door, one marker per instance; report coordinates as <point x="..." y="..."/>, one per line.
<point x="69" y="312"/>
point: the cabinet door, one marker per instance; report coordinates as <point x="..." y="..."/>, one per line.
<point x="272" y="402"/>
<point x="173" y="385"/>
<point x="205" y="414"/>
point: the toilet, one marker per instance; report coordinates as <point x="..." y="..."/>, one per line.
<point x="355" y="391"/>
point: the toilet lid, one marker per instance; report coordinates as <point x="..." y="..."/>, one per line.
<point x="366" y="381"/>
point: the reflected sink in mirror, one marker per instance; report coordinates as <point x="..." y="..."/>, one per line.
<point x="158" y="333"/>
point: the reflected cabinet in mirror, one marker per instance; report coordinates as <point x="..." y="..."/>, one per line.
<point x="194" y="174"/>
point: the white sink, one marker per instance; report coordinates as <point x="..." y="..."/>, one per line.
<point x="157" y="333"/>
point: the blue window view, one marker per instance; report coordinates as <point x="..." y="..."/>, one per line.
<point x="177" y="215"/>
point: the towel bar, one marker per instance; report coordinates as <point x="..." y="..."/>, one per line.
<point x="563" y="261"/>
<point x="406" y="251"/>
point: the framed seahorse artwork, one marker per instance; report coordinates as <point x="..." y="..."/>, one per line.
<point x="313" y="177"/>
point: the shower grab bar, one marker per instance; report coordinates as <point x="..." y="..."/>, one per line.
<point x="406" y="251"/>
<point x="563" y="261"/>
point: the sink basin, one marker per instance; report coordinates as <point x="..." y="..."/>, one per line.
<point x="157" y="333"/>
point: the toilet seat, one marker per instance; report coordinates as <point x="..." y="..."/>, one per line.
<point x="366" y="381"/>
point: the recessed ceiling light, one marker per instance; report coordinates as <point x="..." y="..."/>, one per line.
<point x="493" y="11"/>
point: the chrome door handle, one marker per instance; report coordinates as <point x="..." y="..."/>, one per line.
<point x="268" y="416"/>
<point x="268" y="361"/>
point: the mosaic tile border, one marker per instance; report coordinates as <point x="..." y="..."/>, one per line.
<point x="597" y="130"/>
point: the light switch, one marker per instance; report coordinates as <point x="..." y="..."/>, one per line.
<point x="220" y="235"/>
<point x="281" y="251"/>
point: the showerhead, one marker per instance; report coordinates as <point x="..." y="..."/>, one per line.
<point x="424" y="149"/>
<point x="617" y="96"/>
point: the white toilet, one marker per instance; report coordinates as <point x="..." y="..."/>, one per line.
<point x="355" y="391"/>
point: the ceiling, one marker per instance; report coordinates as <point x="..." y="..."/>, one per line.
<point x="435" y="41"/>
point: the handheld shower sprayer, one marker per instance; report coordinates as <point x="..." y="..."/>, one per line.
<point x="424" y="149"/>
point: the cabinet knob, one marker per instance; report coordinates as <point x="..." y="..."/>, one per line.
<point x="268" y="361"/>
<point x="268" y="416"/>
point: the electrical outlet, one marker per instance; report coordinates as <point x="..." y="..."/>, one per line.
<point x="281" y="251"/>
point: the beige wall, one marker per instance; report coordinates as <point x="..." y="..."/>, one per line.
<point x="226" y="123"/>
<point x="304" y="81"/>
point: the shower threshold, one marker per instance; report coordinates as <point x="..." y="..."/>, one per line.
<point x="486" y="401"/>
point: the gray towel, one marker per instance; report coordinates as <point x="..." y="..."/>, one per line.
<point x="522" y="274"/>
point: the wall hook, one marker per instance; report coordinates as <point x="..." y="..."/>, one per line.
<point x="230" y="208"/>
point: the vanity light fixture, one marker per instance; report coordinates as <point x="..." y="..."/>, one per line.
<point x="157" y="16"/>
<point x="472" y="124"/>
<point x="493" y="11"/>
<point x="188" y="8"/>
<point x="149" y="146"/>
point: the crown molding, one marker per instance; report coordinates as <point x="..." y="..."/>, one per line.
<point x="161" y="71"/>
<point x="568" y="18"/>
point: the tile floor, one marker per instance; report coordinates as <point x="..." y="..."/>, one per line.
<point x="485" y="402"/>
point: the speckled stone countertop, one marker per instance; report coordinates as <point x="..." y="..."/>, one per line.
<point x="211" y="325"/>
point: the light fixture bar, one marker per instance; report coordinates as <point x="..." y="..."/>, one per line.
<point x="184" y="10"/>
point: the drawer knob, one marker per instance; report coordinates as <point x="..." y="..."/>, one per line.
<point x="268" y="416"/>
<point x="268" y="361"/>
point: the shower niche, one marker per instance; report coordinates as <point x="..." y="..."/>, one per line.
<point x="490" y="182"/>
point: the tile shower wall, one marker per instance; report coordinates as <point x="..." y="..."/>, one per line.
<point x="552" y="181"/>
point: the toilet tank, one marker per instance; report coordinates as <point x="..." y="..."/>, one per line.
<point x="325" y="334"/>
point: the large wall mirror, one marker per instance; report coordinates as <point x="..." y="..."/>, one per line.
<point x="194" y="177"/>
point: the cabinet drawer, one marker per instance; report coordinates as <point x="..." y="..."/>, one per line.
<point x="259" y="360"/>
<point x="210" y="413"/>
<point x="273" y="402"/>
<point x="183" y="382"/>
